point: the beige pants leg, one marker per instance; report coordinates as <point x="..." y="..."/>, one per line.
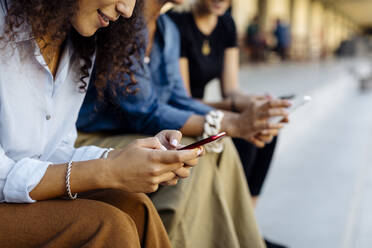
<point x="212" y="208"/>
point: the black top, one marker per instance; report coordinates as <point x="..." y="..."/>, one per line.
<point x="208" y="65"/>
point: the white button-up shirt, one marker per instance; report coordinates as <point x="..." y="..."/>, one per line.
<point x="37" y="116"/>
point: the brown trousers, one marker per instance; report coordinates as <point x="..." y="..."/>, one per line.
<point x="210" y="209"/>
<point x="104" y="218"/>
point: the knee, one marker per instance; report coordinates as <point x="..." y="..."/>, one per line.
<point x="141" y="201"/>
<point x="133" y="200"/>
<point x="113" y="224"/>
<point x="97" y="224"/>
<point x="134" y="204"/>
<point x="110" y="215"/>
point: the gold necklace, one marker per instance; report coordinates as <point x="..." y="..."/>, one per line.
<point x="206" y="48"/>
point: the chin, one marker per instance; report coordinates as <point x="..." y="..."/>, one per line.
<point x="86" y="32"/>
<point x="219" y="12"/>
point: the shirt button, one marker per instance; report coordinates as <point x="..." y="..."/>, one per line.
<point x="47" y="117"/>
<point x="146" y="60"/>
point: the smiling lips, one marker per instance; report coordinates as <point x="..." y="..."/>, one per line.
<point x="104" y="19"/>
<point x="217" y="3"/>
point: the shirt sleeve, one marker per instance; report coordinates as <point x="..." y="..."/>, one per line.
<point x="181" y="100"/>
<point x="167" y="117"/>
<point x="180" y="19"/>
<point x="66" y="151"/>
<point x="184" y="47"/>
<point x="144" y="113"/>
<point x="19" y="178"/>
<point x="231" y="33"/>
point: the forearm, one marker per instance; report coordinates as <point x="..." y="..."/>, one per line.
<point x="195" y="125"/>
<point x="223" y="105"/>
<point x="85" y="176"/>
<point x="237" y="102"/>
<point x="232" y="102"/>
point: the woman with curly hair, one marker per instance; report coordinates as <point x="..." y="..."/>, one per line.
<point x="47" y="48"/>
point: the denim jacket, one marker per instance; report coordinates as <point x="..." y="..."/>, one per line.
<point x="161" y="102"/>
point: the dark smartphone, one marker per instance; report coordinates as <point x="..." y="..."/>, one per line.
<point x="287" y="97"/>
<point x="203" y="142"/>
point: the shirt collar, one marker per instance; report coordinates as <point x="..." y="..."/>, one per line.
<point x="23" y="34"/>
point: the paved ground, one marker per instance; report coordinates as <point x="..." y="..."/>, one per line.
<point x="319" y="191"/>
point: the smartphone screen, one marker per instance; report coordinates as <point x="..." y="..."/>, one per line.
<point x="296" y="103"/>
<point x="203" y="141"/>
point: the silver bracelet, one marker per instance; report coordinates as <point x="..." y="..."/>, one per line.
<point x="106" y="153"/>
<point x="212" y="126"/>
<point x="68" y="187"/>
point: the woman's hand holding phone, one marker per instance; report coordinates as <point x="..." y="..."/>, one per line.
<point x="145" y="163"/>
<point x="296" y="102"/>
<point x="254" y="120"/>
<point x="171" y="141"/>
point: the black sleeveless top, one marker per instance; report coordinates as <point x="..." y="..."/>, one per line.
<point x="204" y="53"/>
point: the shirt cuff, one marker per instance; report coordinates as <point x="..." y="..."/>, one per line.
<point x="88" y="153"/>
<point x="22" y="179"/>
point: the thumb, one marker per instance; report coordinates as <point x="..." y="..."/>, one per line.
<point x="174" y="137"/>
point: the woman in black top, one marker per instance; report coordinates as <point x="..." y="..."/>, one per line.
<point x="209" y="50"/>
<point x="204" y="53"/>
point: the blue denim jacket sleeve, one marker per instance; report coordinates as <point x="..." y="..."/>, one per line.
<point x="145" y="114"/>
<point x="179" y="97"/>
<point x="128" y="113"/>
<point x="181" y="100"/>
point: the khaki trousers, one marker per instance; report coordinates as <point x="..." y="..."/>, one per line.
<point x="105" y="218"/>
<point x="210" y="209"/>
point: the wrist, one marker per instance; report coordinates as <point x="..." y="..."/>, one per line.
<point x="102" y="177"/>
<point x="233" y="104"/>
<point x="241" y="102"/>
<point x="229" y="124"/>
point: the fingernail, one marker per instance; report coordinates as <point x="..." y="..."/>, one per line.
<point x="200" y="151"/>
<point x="163" y="148"/>
<point x="174" y="142"/>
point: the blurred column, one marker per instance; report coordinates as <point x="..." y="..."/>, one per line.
<point x="262" y="13"/>
<point x="347" y="29"/>
<point x="244" y="11"/>
<point x="328" y="32"/>
<point x="300" y="18"/>
<point x="339" y="37"/>
<point x="316" y="32"/>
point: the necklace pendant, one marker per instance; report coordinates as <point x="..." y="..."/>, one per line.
<point x="206" y="48"/>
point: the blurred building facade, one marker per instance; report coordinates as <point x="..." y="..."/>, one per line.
<point x="317" y="27"/>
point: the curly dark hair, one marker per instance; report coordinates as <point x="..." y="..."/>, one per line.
<point x="117" y="47"/>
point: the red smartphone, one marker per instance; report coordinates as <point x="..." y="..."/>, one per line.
<point x="203" y="142"/>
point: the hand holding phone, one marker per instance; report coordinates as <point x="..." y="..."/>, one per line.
<point x="296" y="103"/>
<point x="203" y="141"/>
